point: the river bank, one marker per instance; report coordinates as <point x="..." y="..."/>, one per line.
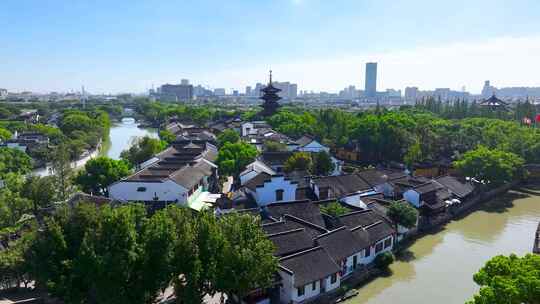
<point x="439" y="265"/>
<point x="121" y="135"/>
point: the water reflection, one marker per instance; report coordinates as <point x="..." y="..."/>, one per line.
<point x="122" y="135"/>
<point x="438" y="268"/>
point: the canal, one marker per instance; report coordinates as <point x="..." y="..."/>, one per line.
<point x="438" y="267"/>
<point x="121" y="136"/>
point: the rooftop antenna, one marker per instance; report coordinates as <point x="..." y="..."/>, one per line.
<point x="270" y="76"/>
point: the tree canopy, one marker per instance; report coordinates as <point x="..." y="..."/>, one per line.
<point x="228" y="136"/>
<point x="14" y="160"/>
<point x="101" y="172"/>
<point x="509" y="279"/>
<point x="142" y="149"/>
<point x="234" y="157"/>
<point x="299" y="161"/>
<point x="492" y="166"/>
<point x="403" y="214"/>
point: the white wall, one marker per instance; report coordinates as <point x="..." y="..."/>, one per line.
<point x="267" y="194"/>
<point x="349" y="263"/>
<point x="328" y="286"/>
<point x="412" y="197"/>
<point x="165" y="191"/>
<point x="286" y="290"/>
<point x="337" y="166"/>
<point x="247" y="128"/>
<point x="247" y="177"/>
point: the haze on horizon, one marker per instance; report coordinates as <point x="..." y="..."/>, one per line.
<point x="127" y="46"/>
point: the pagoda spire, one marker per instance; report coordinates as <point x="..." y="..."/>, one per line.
<point x="271" y="98"/>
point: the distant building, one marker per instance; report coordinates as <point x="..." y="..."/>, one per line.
<point x="235" y="93"/>
<point x="371" y="80"/>
<point x="200" y="91"/>
<point x="219" y="92"/>
<point x="293" y="91"/>
<point x="184" y="82"/>
<point x="411" y="93"/>
<point x="3" y="93"/>
<point x="176" y="92"/>
<point x="488" y="90"/>
<point x="248" y="91"/>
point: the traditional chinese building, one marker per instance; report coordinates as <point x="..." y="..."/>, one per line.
<point x="494" y="103"/>
<point x="271" y="98"/>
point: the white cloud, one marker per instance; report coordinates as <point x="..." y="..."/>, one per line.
<point x="506" y="61"/>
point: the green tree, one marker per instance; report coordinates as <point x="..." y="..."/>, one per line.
<point x="14" y="160"/>
<point x="142" y="149"/>
<point x="228" y="136"/>
<point x="274" y="146"/>
<point x="103" y="255"/>
<point x="62" y="171"/>
<point x="167" y="136"/>
<point x="493" y="166"/>
<point x="39" y="190"/>
<point x="101" y="172"/>
<point x="322" y="163"/>
<point x="402" y="214"/>
<point x="300" y="161"/>
<point x="413" y="155"/>
<point x="234" y="157"/>
<point x="509" y="279"/>
<point x="334" y="209"/>
<point x="5" y="134"/>
<point x="247" y="256"/>
<point x="384" y="260"/>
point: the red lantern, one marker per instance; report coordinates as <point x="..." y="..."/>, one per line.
<point x="538" y="118"/>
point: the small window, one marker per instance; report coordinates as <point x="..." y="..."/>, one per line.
<point x="141" y="189"/>
<point x="378" y="247"/>
<point x="367" y="252"/>
<point x="301" y="291"/>
<point x="279" y="195"/>
<point x="333" y="278"/>
<point x="388" y="243"/>
<point x="314" y="285"/>
<point x="354" y="261"/>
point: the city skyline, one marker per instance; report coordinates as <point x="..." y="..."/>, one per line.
<point x="127" y="47"/>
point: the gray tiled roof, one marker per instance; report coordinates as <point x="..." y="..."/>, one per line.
<point x="342" y="184"/>
<point x="292" y="241"/>
<point x="309" y="266"/>
<point x="305" y="210"/>
<point x="340" y="243"/>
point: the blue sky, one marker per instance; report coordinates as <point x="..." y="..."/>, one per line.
<point x="119" y="46"/>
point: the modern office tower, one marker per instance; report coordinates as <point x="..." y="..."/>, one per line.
<point x="184" y="82"/>
<point x="219" y="92"/>
<point x="488" y="90"/>
<point x="371" y="80"/>
<point x="176" y="92"/>
<point x="248" y="91"/>
<point x="293" y="91"/>
<point x="411" y="93"/>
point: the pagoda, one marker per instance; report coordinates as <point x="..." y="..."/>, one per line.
<point x="494" y="103"/>
<point x="271" y="98"/>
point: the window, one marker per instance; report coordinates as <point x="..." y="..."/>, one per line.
<point x="279" y="195"/>
<point x="367" y="252"/>
<point x="333" y="278"/>
<point x="141" y="189"/>
<point x="378" y="247"/>
<point x="354" y="261"/>
<point x="314" y="285"/>
<point x="301" y="291"/>
<point x="388" y="243"/>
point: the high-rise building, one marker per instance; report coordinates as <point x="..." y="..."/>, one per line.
<point x="184" y="82"/>
<point x="176" y="92"/>
<point x="371" y="79"/>
<point x="293" y="91"/>
<point x="488" y="90"/>
<point x="248" y="91"/>
<point x="219" y="92"/>
<point x="411" y="93"/>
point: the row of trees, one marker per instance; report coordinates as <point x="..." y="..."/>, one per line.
<point x="119" y="255"/>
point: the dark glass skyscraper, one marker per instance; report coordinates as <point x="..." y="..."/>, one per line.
<point x="371" y="79"/>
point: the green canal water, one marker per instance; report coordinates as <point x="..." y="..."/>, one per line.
<point x="438" y="267"/>
<point x="121" y="136"/>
